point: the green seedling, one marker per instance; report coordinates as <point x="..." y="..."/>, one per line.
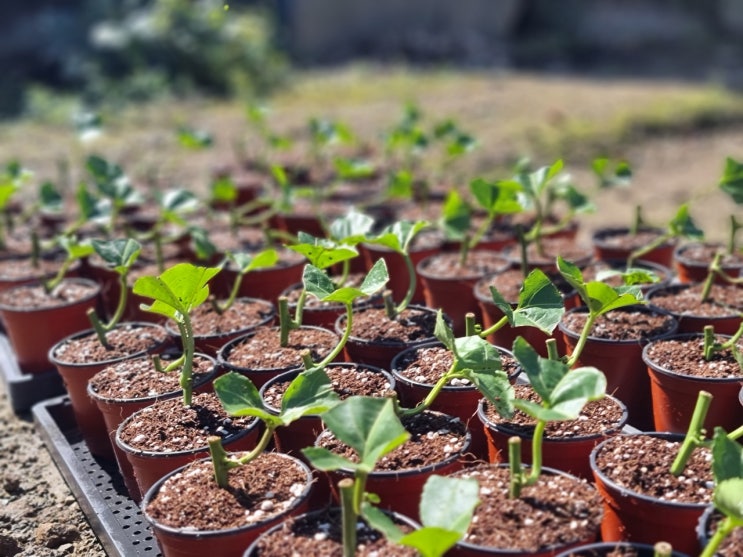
<point x="727" y="469"/>
<point x="11" y="181"/>
<point x="317" y="283"/>
<point x="475" y="360"/>
<point x="74" y="251"/>
<point x="257" y="115"/>
<point x="91" y="208"/>
<point x="715" y="270"/>
<point x="732" y="184"/>
<point x="446" y="509"/>
<point x="310" y="393"/>
<point x="325" y="134"/>
<point x="353" y="169"/>
<point x="371" y="427"/>
<point x="244" y="262"/>
<point x="176" y="293"/>
<point x="563" y="391"/>
<point x="540" y="305"/>
<point x="598" y="297"/>
<point x="194" y="139"/>
<point x="113" y="185"/>
<point x="398" y="238"/>
<point x="611" y="174"/>
<point x="119" y="255"/>
<point x="712" y="345"/>
<point x="680" y="226"/>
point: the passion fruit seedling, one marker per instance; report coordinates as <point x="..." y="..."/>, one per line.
<point x="176" y="292"/>
<point x="681" y="226"/>
<point x="75" y="250"/>
<point x="475" y="360"/>
<point x="598" y="297"/>
<point x="446" y="509"/>
<point x="372" y="428"/>
<point x="244" y="262"/>
<point x="114" y="186"/>
<point x="731" y="183"/>
<point x="727" y="470"/>
<point x="563" y="392"/>
<point x="310" y="393"/>
<point x="118" y="255"/>
<point x="317" y="283"/>
<point x="398" y="237"/>
<point x="12" y="180"/>
<point x="713" y="346"/>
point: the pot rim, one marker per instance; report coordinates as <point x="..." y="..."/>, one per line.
<point x="224" y="352"/>
<point x="624" y="491"/>
<point x="673" y="288"/>
<point x="644" y="547"/>
<point x="88" y="332"/>
<point x="153" y="398"/>
<point x="14" y="309"/>
<point x="678" y="255"/>
<point x="395" y="344"/>
<point x="665" y="371"/>
<point x="400" y="378"/>
<point x="422" y="267"/>
<point x="599" y="235"/>
<point x="192" y="533"/>
<point x="584" y="438"/>
<point x="168" y="324"/>
<point x="626" y="309"/>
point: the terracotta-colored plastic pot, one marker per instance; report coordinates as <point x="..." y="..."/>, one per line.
<point x="76" y="377"/>
<point x="259" y="376"/>
<point x="707" y="526"/>
<point x="631" y="516"/>
<point x="692" y="266"/>
<point x="116" y="410"/>
<point x="453" y="292"/>
<point x="150" y="466"/>
<point x="604" y="549"/>
<point x="190" y="542"/>
<point x="689" y="322"/>
<point x="378" y="354"/>
<point x="400" y="490"/>
<point x="606" y="245"/>
<point x="568" y="454"/>
<point x="211" y="344"/>
<point x="674" y="396"/>
<point x="33" y="331"/>
<point x="622" y="364"/>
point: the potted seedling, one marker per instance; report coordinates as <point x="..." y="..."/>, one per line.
<point x="262" y="488"/>
<point x="511" y="495"/>
<point x="114" y="186"/>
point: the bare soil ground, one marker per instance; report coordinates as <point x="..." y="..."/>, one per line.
<point x="510" y="115"/>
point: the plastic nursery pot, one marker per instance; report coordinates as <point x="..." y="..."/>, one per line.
<point x="400" y="490"/>
<point x="475" y="542"/>
<point x="707" y="526"/>
<point x="692" y="262"/>
<point x="77" y="375"/>
<point x="323" y="529"/>
<point x="116" y="408"/>
<point x="568" y="454"/>
<point x="379" y="352"/>
<point x="425" y="244"/>
<point x="456" y="400"/>
<point x="692" y="319"/>
<point x="632" y="516"/>
<point x="260" y="375"/>
<point x="447" y="283"/>
<point x="595" y="268"/>
<point x="674" y="394"/>
<point x="546" y="259"/>
<point x="618" y="243"/>
<point x="32" y="331"/>
<point x="16" y="270"/>
<point x="230" y="542"/>
<point x="151" y="465"/>
<point x="303" y="432"/>
<point x="211" y="343"/>
<point x="606" y="549"/>
<point x="622" y="364"/>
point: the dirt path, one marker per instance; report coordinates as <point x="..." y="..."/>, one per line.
<point x="38" y="515"/>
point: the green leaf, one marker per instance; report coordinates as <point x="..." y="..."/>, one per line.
<point x="201" y="242"/>
<point x="50" y="197"/>
<point x="75" y="249"/>
<point x="602" y="298"/>
<point x="540" y="303"/>
<point x="444" y="333"/>
<point x="431" y="541"/>
<point x="247" y="262"/>
<point x="400" y="185"/>
<point x="322" y="252"/>
<point x="317" y="282"/>
<point x="176" y="202"/>
<point x="449" y="503"/>
<point x="119" y="254"/>
<point x="621" y="176"/>
<point x="192" y="138"/>
<point x="497" y="198"/>
<point x="728" y="498"/>
<point x="310" y="393"/>
<point x="456" y="216"/>
<point x="177" y="290"/>
<point x="476" y="354"/>
<point x="240" y="397"/>
<point x="544" y="375"/>
<point x="682" y="225"/>
<point x="350" y="169"/>
<point x="630" y="277"/>
<point x="224" y="190"/>
<point x="324" y="460"/>
<point x="732" y="180"/>
<point x="369" y="425"/>
<point x="496" y="388"/>
<point x="351" y="228"/>
<point x="381" y="521"/>
<point x="398" y="236"/>
<point x="727" y="457"/>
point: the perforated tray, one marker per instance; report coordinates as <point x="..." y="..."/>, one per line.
<point x="95" y="483"/>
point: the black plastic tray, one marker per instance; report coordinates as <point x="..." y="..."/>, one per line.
<point x="25" y="389"/>
<point x="95" y="483"/>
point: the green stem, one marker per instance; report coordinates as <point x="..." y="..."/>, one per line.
<point x="470" y="326"/>
<point x="411" y="285"/>
<point x="121" y="304"/>
<point x="346" y="488"/>
<point x="647" y="248"/>
<point x="186" y="378"/>
<point x="516" y="480"/>
<point x="552" y="353"/>
<point x="713" y="271"/>
<point x="480" y="232"/>
<point x="694" y="435"/>
<point x="637" y="222"/>
<point x="582" y="340"/>
<point x="285" y="321"/>
<point x="227" y="304"/>
<point x="433" y="393"/>
<point x="709" y="342"/>
<point x="724" y="529"/>
<point x="536" y="452"/>
<point x="98" y="327"/>
<point x="346" y="333"/>
<point x="662" y="549"/>
<point x="735" y="226"/>
<point x="389" y="305"/>
<point x="502" y="322"/>
<point x="299" y="309"/>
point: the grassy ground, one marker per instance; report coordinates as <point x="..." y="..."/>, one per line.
<point x="511" y="115"/>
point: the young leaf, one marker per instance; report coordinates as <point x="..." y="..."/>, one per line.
<point x="456" y="216"/>
<point x="317" y="283"/>
<point x="540" y="304"/>
<point x="350" y="169"/>
<point x="682" y="225"/>
<point x="499" y="197"/>
<point x="192" y="138"/>
<point x="224" y="190"/>
<point x="322" y="252"/>
<point x="247" y="262"/>
<point x="400" y="185"/>
<point x="732" y="180"/>
<point x="398" y="236"/>
<point x="119" y="254"/>
<point x="351" y="228"/>
<point x="728" y="498"/>
<point x="240" y="397"/>
<point x="727" y="457"/>
<point x="310" y="393"/>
